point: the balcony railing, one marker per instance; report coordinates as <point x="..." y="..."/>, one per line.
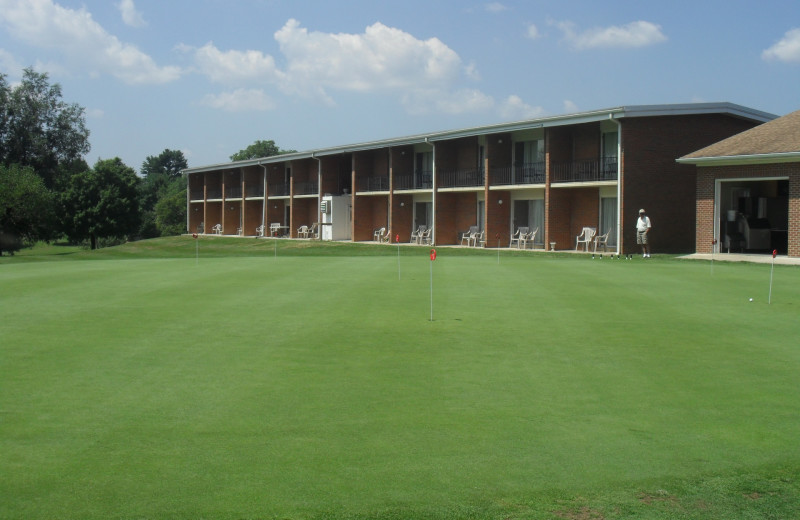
<point x="422" y="180"/>
<point x="373" y="184"/>
<point x="594" y="170"/>
<point x="255" y="191"/>
<point x="306" y="188"/>
<point x="278" y="190"/>
<point x="528" y="173"/>
<point x="233" y="193"/>
<point x="197" y="195"/>
<point x="461" y="178"/>
<point x="214" y="194"/>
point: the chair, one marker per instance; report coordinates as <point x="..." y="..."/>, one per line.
<point x="602" y="240"/>
<point x="302" y="231"/>
<point x="519" y="235"/>
<point x="480" y="238"/>
<point x="378" y="234"/>
<point x="415" y="235"/>
<point x="528" y="237"/>
<point x="425" y="237"/>
<point x="260" y="230"/>
<point x="585" y="238"/>
<point x="469" y="235"/>
<point x="239" y="230"/>
<point x="217" y="229"/>
<point x="313" y="231"/>
<point x="274" y="228"/>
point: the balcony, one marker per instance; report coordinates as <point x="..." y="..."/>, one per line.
<point x="422" y="180"/>
<point x="254" y="191"/>
<point x="469" y="178"/>
<point x="196" y="195"/>
<point x="214" y="194"/>
<point x="278" y="190"/>
<point x="527" y="173"/>
<point x="233" y="193"/>
<point x="373" y="184"/>
<point x="594" y="170"/>
<point x="306" y="188"/>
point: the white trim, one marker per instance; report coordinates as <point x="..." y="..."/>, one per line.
<point x="732" y="160"/>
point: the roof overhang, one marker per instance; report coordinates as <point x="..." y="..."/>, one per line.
<point x="770" y="158"/>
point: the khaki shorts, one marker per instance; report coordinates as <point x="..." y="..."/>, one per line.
<point x="641" y="237"/>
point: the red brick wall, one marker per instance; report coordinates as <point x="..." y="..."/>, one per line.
<point x="455" y="212"/>
<point x="253" y="211"/>
<point x="370" y="213"/>
<point x="402" y="215"/>
<point x="706" y="177"/>
<point x="654" y="181"/>
<point x="497" y="216"/>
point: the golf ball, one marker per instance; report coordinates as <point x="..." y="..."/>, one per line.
<point x="751" y="299"/>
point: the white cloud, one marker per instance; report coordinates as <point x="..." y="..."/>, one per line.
<point x="787" y="49"/>
<point x="95" y="113"/>
<point x="9" y="64"/>
<point x="495" y="7"/>
<point x="634" y="34"/>
<point x="236" y="66"/>
<point x="130" y="15"/>
<point x="514" y="108"/>
<point x="570" y="107"/>
<point x="76" y="35"/>
<point x="532" y="32"/>
<point x="240" y="100"/>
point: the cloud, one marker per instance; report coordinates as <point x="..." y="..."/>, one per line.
<point x="130" y="15"/>
<point x="81" y="40"/>
<point x="634" y="34"/>
<point x="514" y="108"/>
<point x="240" y="100"/>
<point x="495" y="7"/>
<point x="9" y="64"/>
<point x="787" y="49"/>
<point x="236" y="67"/>
<point x="570" y="107"/>
<point x="532" y="32"/>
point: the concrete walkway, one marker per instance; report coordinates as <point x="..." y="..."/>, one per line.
<point x="735" y="257"/>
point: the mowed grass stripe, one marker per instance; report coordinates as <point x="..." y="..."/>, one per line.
<point x="293" y="386"/>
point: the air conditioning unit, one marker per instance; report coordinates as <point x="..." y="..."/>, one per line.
<point x="325" y="207"/>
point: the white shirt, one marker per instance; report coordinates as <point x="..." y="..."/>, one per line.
<point x="643" y="224"/>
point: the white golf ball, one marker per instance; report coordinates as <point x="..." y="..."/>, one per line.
<point x="751" y="299"/>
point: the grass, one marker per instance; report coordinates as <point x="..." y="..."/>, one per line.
<point x="312" y="384"/>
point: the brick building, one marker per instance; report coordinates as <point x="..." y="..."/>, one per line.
<point x="748" y="190"/>
<point x="555" y="174"/>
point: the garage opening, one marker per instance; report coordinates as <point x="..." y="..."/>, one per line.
<point x="753" y="215"/>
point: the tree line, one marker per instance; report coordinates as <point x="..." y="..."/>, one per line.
<point x="48" y="191"/>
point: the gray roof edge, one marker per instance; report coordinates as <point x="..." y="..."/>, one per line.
<point x="547" y="121"/>
<point x="763" y="158"/>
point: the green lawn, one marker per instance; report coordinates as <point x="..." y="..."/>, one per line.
<point x="309" y="382"/>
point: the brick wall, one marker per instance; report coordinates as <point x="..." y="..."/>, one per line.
<point x="654" y="181"/>
<point x="402" y="215"/>
<point x="497" y="216"/>
<point x="455" y="212"/>
<point x="253" y="211"/>
<point x="705" y="187"/>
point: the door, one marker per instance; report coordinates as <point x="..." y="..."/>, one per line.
<point x="521" y="217"/>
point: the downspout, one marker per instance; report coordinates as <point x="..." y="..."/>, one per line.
<point x="264" y="207"/>
<point x="433" y="187"/>
<point x="619" y="180"/>
<point x="188" y="198"/>
<point x="319" y="194"/>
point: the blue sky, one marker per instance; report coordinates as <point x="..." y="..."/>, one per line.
<point x="210" y="77"/>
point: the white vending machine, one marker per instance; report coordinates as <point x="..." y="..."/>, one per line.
<point x="335" y="212"/>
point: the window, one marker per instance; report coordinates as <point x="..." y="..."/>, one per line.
<point x="608" y="219"/>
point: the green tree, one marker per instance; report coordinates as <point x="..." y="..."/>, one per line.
<point x="26" y="207"/>
<point x="38" y="129"/>
<point x="259" y="149"/>
<point x="161" y="177"/>
<point x="171" y="212"/>
<point x="101" y="202"/>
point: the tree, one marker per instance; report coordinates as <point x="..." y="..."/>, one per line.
<point x="259" y="149"/>
<point x="38" y="129"/>
<point x="26" y="207"/>
<point x="101" y="202"/>
<point x="161" y="177"/>
<point x="171" y="213"/>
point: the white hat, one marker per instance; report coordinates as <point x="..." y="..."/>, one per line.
<point x="641" y="211"/>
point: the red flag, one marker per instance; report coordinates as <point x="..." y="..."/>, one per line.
<point x="433" y="255"/>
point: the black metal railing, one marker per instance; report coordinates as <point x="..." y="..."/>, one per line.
<point x="593" y="170"/>
<point x="197" y="195"/>
<point x="214" y="194"/>
<point x="528" y="173"/>
<point x="255" y="191"/>
<point x="233" y="193"/>
<point x="461" y="178"/>
<point x="373" y="184"/>
<point x="421" y="180"/>
<point x="306" y="188"/>
<point x="278" y="190"/>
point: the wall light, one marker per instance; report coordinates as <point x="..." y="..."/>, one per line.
<point x="499" y="141"/>
<point x="500" y="201"/>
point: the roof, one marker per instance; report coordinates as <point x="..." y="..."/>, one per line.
<point x="560" y="120"/>
<point x="775" y="141"/>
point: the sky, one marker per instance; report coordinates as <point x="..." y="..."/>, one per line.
<point x="210" y="77"/>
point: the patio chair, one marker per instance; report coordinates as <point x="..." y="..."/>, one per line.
<point x="416" y="234"/>
<point x="260" y="230"/>
<point x="378" y="234"/>
<point x="585" y="238"/>
<point x="302" y="232"/>
<point x="469" y="235"/>
<point x="313" y="231"/>
<point x="519" y="235"/>
<point x="217" y="229"/>
<point x="602" y="240"/>
<point x="480" y="238"/>
<point x="425" y="237"/>
<point x="528" y="238"/>
<point x="274" y="228"/>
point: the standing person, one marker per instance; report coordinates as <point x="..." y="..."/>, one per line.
<point x="642" y="231"/>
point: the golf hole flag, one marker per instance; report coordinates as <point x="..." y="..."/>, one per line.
<point x="433" y="255"/>
<point x="194" y="235"/>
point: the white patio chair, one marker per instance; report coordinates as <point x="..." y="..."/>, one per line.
<point x="302" y="232"/>
<point x="528" y="238"/>
<point x="378" y="234"/>
<point x="217" y="229"/>
<point x="585" y="238"/>
<point x="260" y="230"/>
<point x="519" y="235"/>
<point x="425" y="237"/>
<point x="602" y="240"/>
<point x="469" y="235"/>
<point x="415" y="235"/>
<point x="313" y="231"/>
